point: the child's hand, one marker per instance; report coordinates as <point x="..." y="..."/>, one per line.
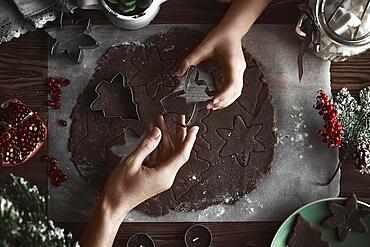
<point x="136" y="179"/>
<point x="225" y="44"/>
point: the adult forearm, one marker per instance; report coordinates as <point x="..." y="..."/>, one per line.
<point x="242" y="14"/>
<point x="102" y="228"/>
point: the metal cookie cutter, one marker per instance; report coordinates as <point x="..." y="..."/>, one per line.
<point x="117" y="80"/>
<point x="198" y="236"/>
<point x="72" y="39"/>
<point x="193" y="91"/>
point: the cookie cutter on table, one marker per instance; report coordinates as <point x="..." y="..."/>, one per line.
<point x="124" y="85"/>
<point x="73" y="45"/>
<point x="191" y="76"/>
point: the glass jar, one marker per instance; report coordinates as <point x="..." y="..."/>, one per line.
<point x="343" y="26"/>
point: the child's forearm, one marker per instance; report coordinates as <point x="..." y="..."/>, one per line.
<point x="242" y="14"/>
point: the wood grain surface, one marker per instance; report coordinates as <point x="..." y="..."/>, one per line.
<point x="23" y="72"/>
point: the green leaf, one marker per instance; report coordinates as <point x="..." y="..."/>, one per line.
<point x="143" y="4"/>
<point x="127" y="9"/>
<point x="114" y="1"/>
<point x="128" y="3"/>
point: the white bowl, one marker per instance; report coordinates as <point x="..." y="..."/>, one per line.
<point x="135" y="21"/>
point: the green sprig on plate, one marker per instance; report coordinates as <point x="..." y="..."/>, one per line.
<point x="128" y="6"/>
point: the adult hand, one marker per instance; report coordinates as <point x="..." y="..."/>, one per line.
<point x="224" y="44"/>
<point x="137" y="178"/>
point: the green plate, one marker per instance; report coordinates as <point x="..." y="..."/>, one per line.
<point x="315" y="213"/>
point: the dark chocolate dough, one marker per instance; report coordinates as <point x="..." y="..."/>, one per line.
<point x="346" y="218"/>
<point x="235" y="145"/>
<point x="305" y="235"/>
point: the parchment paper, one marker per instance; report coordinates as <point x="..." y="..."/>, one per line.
<point x="301" y="159"/>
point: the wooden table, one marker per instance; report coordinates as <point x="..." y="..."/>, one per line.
<point x="23" y="73"/>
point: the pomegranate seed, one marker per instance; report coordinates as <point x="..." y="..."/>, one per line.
<point x="51" y="103"/>
<point x="50" y="172"/>
<point x="320" y="132"/>
<point x="50" y="81"/>
<point x="53" y="167"/>
<point x="56" y="84"/>
<point x="57" y="98"/>
<point x="64" y="178"/>
<point x="57" y="105"/>
<point x="45" y="158"/>
<point x="62" y="122"/>
<point x="65" y="82"/>
<point x="55" y="91"/>
<point x="53" y="161"/>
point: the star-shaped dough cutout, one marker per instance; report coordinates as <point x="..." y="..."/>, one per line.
<point x="153" y="72"/>
<point x="240" y="141"/>
<point x="72" y="39"/>
<point x="115" y="99"/>
<point x="346" y="218"/>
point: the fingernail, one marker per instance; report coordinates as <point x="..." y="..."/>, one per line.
<point x="216" y="101"/>
<point x="155" y="133"/>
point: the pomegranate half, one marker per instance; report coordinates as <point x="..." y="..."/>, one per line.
<point x="22" y="133"/>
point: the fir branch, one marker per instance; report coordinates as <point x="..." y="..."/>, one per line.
<point x="24" y="220"/>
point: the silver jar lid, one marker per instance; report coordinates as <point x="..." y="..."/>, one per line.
<point x="346" y="22"/>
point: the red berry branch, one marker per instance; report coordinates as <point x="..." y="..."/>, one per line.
<point x="54" y="85"/>
<point x="56" y="175"/>
<point x="332" y="133"/>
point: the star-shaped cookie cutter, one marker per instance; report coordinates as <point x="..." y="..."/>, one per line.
<point x="78" y="42"/>
<point x="124" y="85"/>
<point x="191" y="76"/>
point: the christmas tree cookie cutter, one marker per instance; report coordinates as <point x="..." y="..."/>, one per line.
<point x="191" y="92"/>
<point x="112" y="108"/>
<point x="72" y="40"/>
